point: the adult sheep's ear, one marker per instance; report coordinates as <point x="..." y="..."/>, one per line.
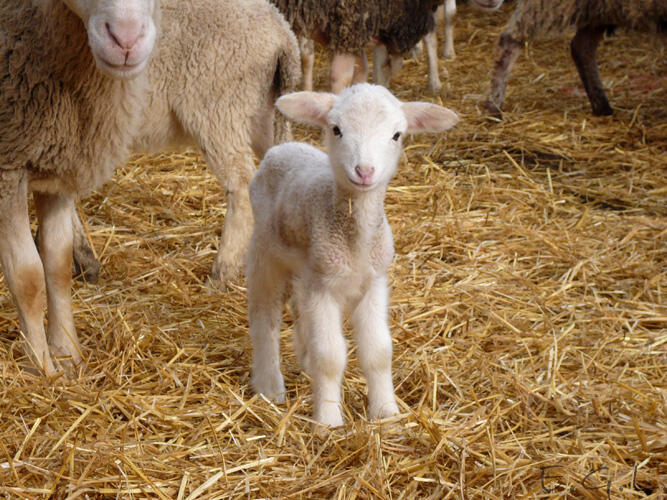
<point x="427" y="117"/>
<point x="307" y="107"/>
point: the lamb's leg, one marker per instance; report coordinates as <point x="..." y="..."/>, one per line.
<point x="584" y="50"/>
<point x="266" y="286"/>
<point x="22" y="266"/>
<point x="234" y="174"/>
<point x="324" y="362"/>
<point x="450" y="18"/>
<point x="431" y="43"/>
<point x="307" y="47"/>
<point x="342" y="71"/>
<point x="374" y="348"/>
<point x="86" y="264"/>
<point x="55" y="244"/>
<point x="509" y="50"/>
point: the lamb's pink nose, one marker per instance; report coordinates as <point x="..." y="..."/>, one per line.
<point x="365" y="173"/>
<point x="125" y="33"/>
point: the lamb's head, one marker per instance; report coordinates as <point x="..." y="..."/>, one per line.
<point x="487" y="5"/>
<point x="121" y="33"/>
<point x="364" y="126"/>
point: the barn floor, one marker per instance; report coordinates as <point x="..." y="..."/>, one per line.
<point x="529" y="315"/>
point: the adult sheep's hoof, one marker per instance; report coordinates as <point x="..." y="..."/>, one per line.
<point x="492" y="109"/>
<point x="222" y="272"/>
<point x="86" y="268"/>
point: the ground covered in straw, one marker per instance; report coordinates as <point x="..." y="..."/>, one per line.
<point x="528" y="312"/>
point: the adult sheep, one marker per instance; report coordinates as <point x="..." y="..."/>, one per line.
<point x="591" y="18"/>
<point x="347" y="28"/>
<point x="72" y="87"/>
<point x="213" y="83"/>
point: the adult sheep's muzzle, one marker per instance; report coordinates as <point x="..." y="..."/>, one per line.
<point x="121" y="46"/>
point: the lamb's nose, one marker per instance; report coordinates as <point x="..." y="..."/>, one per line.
<point x="364" y="172"/>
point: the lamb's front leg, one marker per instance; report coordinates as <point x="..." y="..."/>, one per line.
<point x="55" y="243"/>
<point x="326" y="352"/>
<point x="22" y="266"/>
<point x="374" y="348"/>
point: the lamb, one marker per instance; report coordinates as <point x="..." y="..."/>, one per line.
<point x="220" y="67"/>
<point x="347" y="28"/>
<point x="591" y="18"/>
<point x="320" y="226"/>
<point x="72" y="86"/>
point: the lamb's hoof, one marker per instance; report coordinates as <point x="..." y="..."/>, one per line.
<point x="328" y="415"/>
<point x="223" y="273"/>
<point x="378" y="411"/>
<point x="272" y="388"/>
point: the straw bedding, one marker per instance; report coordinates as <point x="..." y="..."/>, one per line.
<point x="528" y="312"/>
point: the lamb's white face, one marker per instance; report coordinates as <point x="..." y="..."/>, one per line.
<point x="364" y="127"/>
<point x="121" y="33"/>
<point x="364" y="131"/>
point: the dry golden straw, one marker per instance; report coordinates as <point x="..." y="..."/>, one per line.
<point x="529" y="313"/>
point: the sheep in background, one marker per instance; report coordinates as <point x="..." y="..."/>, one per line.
<point x="591" y="18"/>
<point x="386" y="64"/>
<point x="72" y="88"/>
<point x="220" y="67"/>
<point x="320" y="226"/>
<point x="347" y="28"/>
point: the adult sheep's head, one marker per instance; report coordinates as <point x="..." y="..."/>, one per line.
<point x="121" y="33"/>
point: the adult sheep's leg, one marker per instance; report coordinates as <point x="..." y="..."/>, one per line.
<point x="431" y="43"/>
<point x="450" y="17"/>
<point x="55" y="244"/>
<point x="342" y="71"/>
<point x="360" y="74"/>
<point x="374" y="348"/>
<point x="234" y="173"/>
<point x="584" y="50"/>
<point x="86" y="264"/>
<point x="266" y="287"/>
<point x="509" y="50"/>
<point x="320" y="322"/>
<point x="307" y="47"/>
<point x="381" y="65"/>
<point x="22" y="266"/>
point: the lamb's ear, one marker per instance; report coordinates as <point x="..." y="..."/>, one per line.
<point x="427" y="117"/>
<point x="307" y="107"/>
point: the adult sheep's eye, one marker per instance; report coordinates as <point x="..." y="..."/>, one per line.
<point x="337" y="132"/>
<point x="397" y="136"/>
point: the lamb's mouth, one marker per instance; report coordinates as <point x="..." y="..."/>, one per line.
<point x="361" y="185"/>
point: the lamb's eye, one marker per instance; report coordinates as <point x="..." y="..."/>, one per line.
<point x="397" y="136"/>
<point x="337" y="132"/>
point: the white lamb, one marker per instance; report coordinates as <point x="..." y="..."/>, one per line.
<point x="72" y="87"/>
<point x="320" y="226"/>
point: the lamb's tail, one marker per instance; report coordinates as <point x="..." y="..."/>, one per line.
<point x="285" y="79"/>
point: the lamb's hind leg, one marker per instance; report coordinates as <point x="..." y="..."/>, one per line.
<point x="374" y="348"/>
<point x="22" y="266"/>
<point x="266" y="287"/>
<point x="584" y="49"/>
<point x="55" y="243"/>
